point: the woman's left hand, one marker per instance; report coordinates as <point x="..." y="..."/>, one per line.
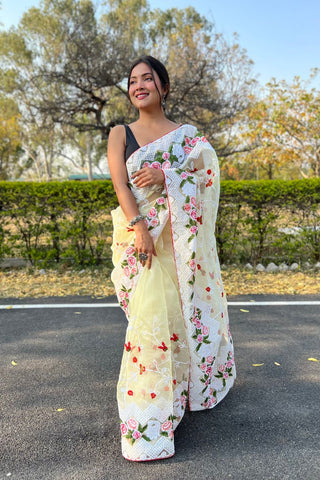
<point x="147" y="176"/>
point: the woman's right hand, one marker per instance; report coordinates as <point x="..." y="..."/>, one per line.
<point x="144" y="243"/>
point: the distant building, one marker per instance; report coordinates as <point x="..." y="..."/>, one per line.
<point x="95" y="176"/>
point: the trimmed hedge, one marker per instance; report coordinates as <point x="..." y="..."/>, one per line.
<point x="51" y="222"/>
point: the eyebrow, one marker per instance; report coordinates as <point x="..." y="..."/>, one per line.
<point x="143" y="75"/>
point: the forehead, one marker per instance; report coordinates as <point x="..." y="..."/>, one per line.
<point x="141" y="69"/>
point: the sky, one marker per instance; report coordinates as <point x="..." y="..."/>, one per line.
<point x="282" y="37"/>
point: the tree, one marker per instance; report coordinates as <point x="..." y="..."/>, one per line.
<point x="67" y="64"/>
<point x="282" y="129"/>
<point x="10" y="146"/>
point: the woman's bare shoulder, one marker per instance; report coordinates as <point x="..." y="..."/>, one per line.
<point x="117" y="132"/>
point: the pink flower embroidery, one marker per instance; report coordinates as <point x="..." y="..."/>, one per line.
<point x="193" y="229"/>
<point x="123" y="428"/>
<point x="166" y="155"/>
<point x="192" y="264"/>
<point x="203" y="366"/>
<point x="225" y="375"/>
<point x="126" y="271"/>
<point x="153" y="212"/>
<point x="193" y="215"/>
<point x="156" y="165"/>
<point x="229" y="364"/>
<point x="193" y="201"/>
<point x="195" y="140"/>
<point x="198" y="324"/>
<point x="136" y="434"/>
<point x="205" y="330"/>
<point x="187" y="149"/>
<point x="221" y="368"/>
<point x="160" y="201"/>
<point x="166" y="165"/>
<point x="131" y="261"/>
<point x="121" y="294"/>
<point x="209" y="359"/>
<point x="132" y="423"/>
<point x="187" y="207"/>
<point x="183" y="174"/>
<point x="187" y="140"/>
<point x="129" y="250"/>
<point x="146" y="164"/>
<point x="133" y="272"/>
<point x="203" y="139"/>
<point x="200" y="338"/>
<point x="166" y="426"/>
<point x="154" y="222"/>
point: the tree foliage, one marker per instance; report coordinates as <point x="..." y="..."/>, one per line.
<point x="67" y="63"/>
<point x="282" y="129"/>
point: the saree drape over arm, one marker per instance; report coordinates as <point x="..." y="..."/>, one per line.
<point x="178" y="349"/>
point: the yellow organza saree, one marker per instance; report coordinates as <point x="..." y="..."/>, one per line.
<point x="178" y="350"/>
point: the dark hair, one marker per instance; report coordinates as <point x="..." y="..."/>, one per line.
<point x="158" y="67"/>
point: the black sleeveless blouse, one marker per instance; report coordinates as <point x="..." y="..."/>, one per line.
<point x="131" y="143"/>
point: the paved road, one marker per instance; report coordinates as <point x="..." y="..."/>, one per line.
<point x="267" y="427"/>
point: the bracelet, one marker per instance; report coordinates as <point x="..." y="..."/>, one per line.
<point x="135" y="220"/>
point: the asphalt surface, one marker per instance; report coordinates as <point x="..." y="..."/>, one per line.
<point x="266" y="428"/>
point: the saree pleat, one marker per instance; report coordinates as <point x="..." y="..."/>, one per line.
<point x="178" y="350"/>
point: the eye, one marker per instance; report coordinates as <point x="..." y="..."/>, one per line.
<point x="149" y="79"/>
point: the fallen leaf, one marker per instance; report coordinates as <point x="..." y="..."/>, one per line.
<point x="257" y="364"/>
<point x="313" y="359"/>
<point x="60" y="409"/>
<point x="8" y="308"/>
<point x="78" y="313"/>
<point x="245" y="311"/>
<point x="276" y="363"/>
<point x="13" y="362"/>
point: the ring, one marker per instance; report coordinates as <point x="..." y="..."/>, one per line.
<point x="143" y="257"/>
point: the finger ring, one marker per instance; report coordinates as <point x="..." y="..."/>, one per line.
<point x="143" y="257"/>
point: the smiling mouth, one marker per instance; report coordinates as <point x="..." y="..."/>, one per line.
<point x="141" y="96"/>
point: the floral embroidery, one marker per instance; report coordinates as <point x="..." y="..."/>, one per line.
<point x="152" y="219"/>
<point x="129" y="265"/>
<point x="207" y="368"/>
<point x="163" y="346"/>
<point x="193" y="359"/>
<point x="133" y="430"/>
<point x="225" y="370"/>
<point x="201" y="332"/>
<point x="174" y="337"/>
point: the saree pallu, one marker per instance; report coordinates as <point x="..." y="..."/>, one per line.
<point x="178" y="350"/>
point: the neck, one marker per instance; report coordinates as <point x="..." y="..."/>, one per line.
<point x="150" y="118"/>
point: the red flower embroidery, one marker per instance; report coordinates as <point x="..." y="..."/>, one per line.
<point x="142" y="369"/>
<point x="208" y="289"/>
<point x="139" y="349"/>
<point x="130" y="392"/>
<point x="199" y="267"/>
<point x="174" y="381"/>
<point x="134" y="359"/>
<point x="163" y="347"/>
<point x="199" y="219"/>
<point x="221" y="294"/>
<point x="174" y="337"/>
<point x="209" y="172"/>
<point x="153" y="395"/>
<point x="128" y="347"/>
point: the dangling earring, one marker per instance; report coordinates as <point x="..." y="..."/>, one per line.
<point x="163" y="103"/>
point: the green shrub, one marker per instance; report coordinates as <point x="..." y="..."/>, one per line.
<point x="47" y="223"/>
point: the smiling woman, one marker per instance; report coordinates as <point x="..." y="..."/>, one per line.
<point x="178" y="350"/>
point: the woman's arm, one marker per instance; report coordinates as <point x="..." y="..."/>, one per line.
<point x="118" y="171"/>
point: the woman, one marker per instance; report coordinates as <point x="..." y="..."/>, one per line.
<point x="178" y="349"/>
